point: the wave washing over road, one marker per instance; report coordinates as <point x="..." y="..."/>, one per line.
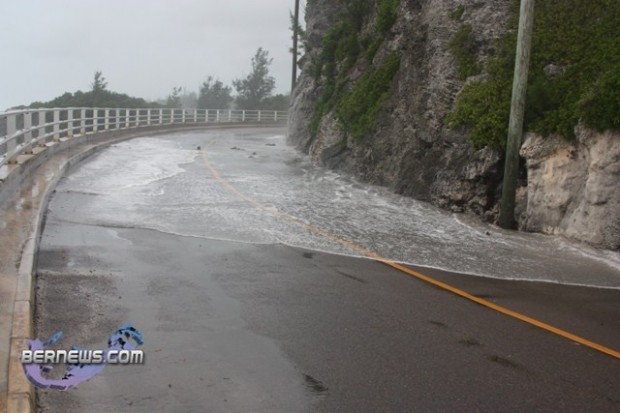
<point x="164" y="184"/>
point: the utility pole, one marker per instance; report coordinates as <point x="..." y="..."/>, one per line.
<point x="517" y="108"/>
<point x="295" y="38"/>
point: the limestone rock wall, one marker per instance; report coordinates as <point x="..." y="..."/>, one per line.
<point x="574" y="187"/>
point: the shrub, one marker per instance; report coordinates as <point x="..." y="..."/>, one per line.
<point x="358" y="109"/>
<point x="386" y="15"/>
<point x="457" y="13"/>
<point x="463" y="47"/>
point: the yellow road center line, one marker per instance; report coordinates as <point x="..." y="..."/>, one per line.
<point x="366" y="252"/>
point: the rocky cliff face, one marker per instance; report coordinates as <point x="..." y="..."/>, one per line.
<point x="412" y="151"/>
<point x="574" y="187"/>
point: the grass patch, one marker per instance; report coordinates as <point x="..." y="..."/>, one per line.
<point x="358" y="109"/>
<point x="463" y="47"/>
<point x="372" y="49"/>
<point x="457" y="13"/>
<point x="386" y="15"/>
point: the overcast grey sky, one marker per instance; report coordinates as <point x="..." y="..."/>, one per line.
<point x="143" y="47"/>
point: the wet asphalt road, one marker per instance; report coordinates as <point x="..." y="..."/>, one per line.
<point x="236" y="322"/>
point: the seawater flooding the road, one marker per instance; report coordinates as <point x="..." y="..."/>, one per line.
<point x="237" y="259"/>
<point x="165" y="184"/>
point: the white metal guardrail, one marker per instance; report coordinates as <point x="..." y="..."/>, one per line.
<point x="23" y="130"/>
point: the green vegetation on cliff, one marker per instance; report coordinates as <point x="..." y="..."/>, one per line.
<point x="358" y="109"/>
<point x="342" y="46"/>
<point x="574" y="74"/>
<point x="463" y="47"/>
<point x="386" y="15"/>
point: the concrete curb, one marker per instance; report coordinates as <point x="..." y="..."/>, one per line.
<point x="21" y="397"/>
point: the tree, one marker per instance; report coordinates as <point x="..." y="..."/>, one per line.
<point x="257" y="85"/>
<point x="214" y="95"/>
<point x="98" y="88"/>
<point x="174" y="99"/>
<point x="99" y="83"/>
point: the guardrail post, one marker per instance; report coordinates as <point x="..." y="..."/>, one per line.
<point x="40" y="126"/>
<point x="95" y="119"/>
<point x="56" y="128"/>
<point x="148" y="115"/>
<point x="229" y="115"/>
<point x="69" y="123"/>
<point x="161" y="116"/>
<point x="206" y="115"/>
<point x="195" y="115"/>
<point x="11" y="125"/>
<point x="182" y="115"/>
<point x="83" y="122"/>
<point x="11" y="130"/>
<point x="243" y="116"/>
<point x="28" y="132"/>
<point x="217" y="116"/>
<point x="107" y="119"/>
<point x="28" y="126"/>
<point x="259" y="112"/>
<point x="275" y="116"/>
<point x="127" y="119"/>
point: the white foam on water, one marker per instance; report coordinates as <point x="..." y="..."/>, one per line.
<point x="157" y="184"/>
<point x="130" y="165"/>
